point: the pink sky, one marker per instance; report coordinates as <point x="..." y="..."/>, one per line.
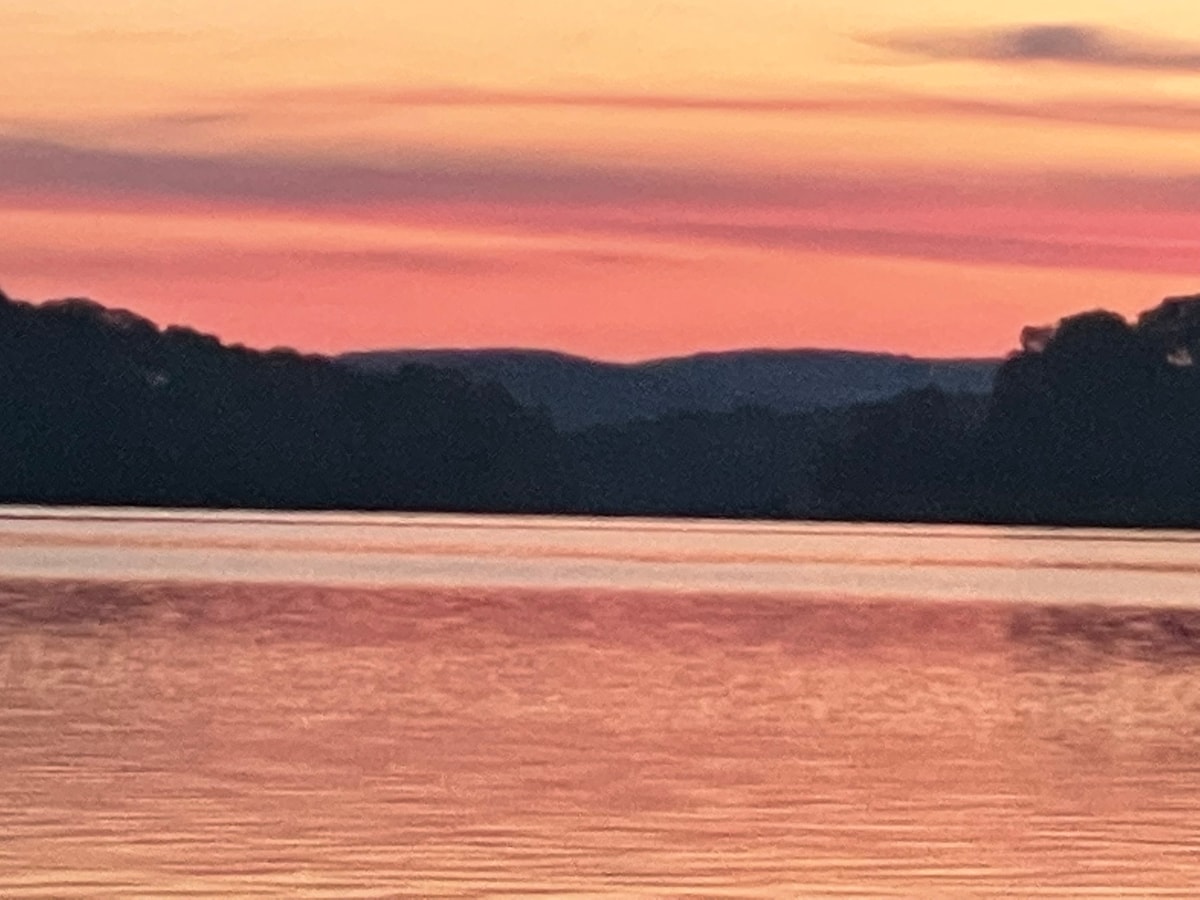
<point x="624" y="180"/>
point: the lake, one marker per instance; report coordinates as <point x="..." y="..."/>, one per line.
<point x="340" y="706"/>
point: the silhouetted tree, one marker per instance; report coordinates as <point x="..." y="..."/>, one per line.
<point x="1071" y="428"/>
<point x="100" y="406"/>
<point x="907" y="458"/>
<point x="1095" y="421"/>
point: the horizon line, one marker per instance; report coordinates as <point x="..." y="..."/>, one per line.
<point x="530" y="350"/>
<point x="652" y="360"/>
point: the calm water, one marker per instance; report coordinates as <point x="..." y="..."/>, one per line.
<point x="430" y="706"/>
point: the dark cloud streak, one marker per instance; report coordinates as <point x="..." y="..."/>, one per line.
<point x="415" y="176"/>
<point x="419" y="176"/>
<point x="1073" y="44"/>
<point x="617" y="201"/>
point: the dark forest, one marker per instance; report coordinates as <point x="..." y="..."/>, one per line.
<point x="1094" y="421"/>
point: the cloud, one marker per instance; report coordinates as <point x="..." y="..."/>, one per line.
<point x="254" y="263"/>
<point x="408" y="176"/>
<point x="339" y="97"/>
<point x="182" y="120"/>
<point x="334" y="102"/>
<point x="181" y="127"/>
<point x="750" y="210"/>
<point x="24" y="258"/>
<point x="1072" y="44"/>
<point x="1172" y="116"/>
<point x="417" y="176"/>
<point x="1038" y="251"/>
<point x="1153" y="115"/>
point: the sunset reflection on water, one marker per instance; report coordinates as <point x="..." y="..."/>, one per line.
<point x="182" y="737"/>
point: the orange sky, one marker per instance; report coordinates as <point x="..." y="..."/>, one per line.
<point x="622" y="178"/>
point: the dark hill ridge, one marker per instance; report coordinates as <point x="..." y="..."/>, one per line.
<point x="101" y="406"/>
<point x="1095" y="422"/>
<point x="580" y="392"/>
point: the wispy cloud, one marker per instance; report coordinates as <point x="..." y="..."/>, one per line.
<point x="747" y="210"/>
<point x="420" y="176"/>
<point x="182" y="120"/>
<point x="1131" y="255"/>
<point x="480" y="98"/>
<point x="26" y="255"/>
<point x="409" y="175"/>
<point x="207" y="120"/>
<point x="17" y="258"/>
<point x="1074" y="44"/>
<point x="333" y="102"/>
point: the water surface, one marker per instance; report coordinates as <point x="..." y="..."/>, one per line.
<point x="424" y="706"/>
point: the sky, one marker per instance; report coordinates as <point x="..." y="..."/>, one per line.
<point x="624" y="179"/>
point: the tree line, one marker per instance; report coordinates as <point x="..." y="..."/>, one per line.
<point x="1094" y="421"/>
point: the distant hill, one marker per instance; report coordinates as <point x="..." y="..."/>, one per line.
<point x="579" y="392"/>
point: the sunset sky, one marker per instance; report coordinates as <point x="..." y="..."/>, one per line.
<point x="619" y="178"/>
